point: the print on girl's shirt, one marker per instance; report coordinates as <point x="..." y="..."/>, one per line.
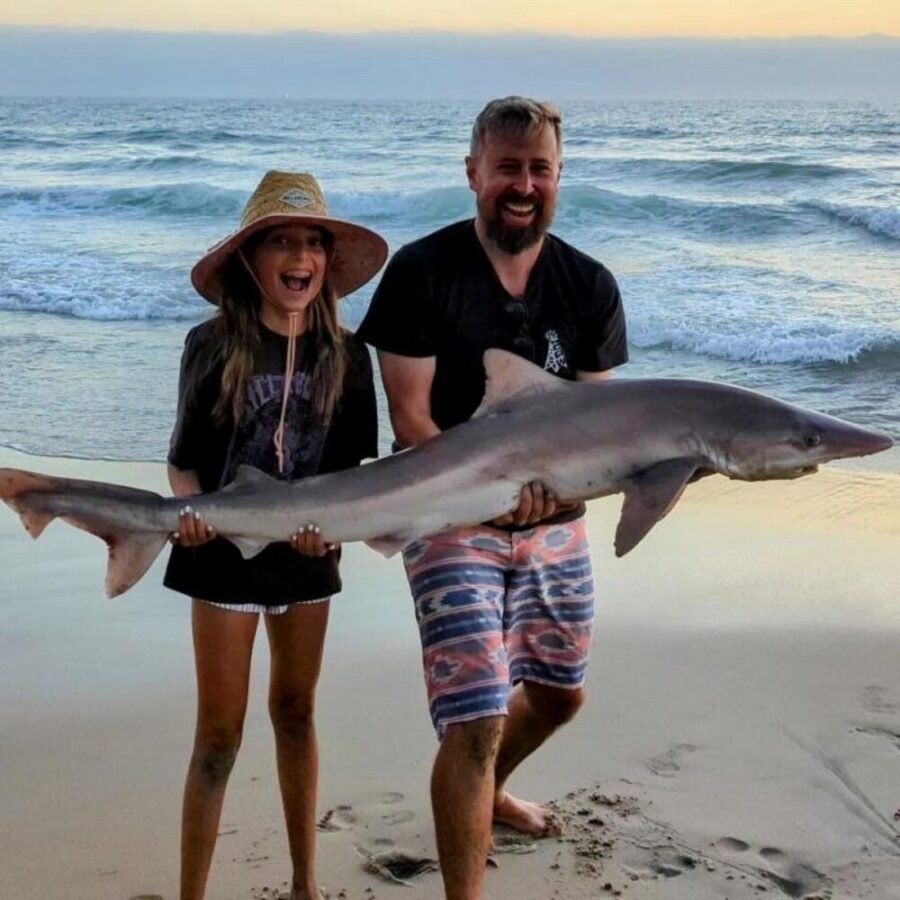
<point x="304" y="436"/>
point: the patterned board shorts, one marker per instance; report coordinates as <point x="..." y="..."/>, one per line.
<point x="495" y="608"/>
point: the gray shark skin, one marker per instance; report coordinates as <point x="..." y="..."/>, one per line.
<point x="647" y="439"/>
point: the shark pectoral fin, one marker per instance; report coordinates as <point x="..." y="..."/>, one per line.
<point x="649" y="496"/>
<point x="389" y="544"/>
<point x="249" y="547"/>
<point x="130" y="555"/>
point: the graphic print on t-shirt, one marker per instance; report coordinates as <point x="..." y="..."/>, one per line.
<point x="556" y="356"/>
<point x="304" y="436"/>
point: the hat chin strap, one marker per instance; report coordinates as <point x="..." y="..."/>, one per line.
<point x="290" y="364"/>
<point x="252" y="274"/>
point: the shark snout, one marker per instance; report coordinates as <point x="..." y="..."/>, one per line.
<point x="846" y="440"/>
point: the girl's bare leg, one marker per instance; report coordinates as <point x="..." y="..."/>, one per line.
<point x="296" y="640"/>
<point x="223" y="643"/>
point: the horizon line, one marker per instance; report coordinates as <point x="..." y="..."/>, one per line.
<point x="443" y="32"/>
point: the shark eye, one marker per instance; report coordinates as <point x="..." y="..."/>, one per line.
<point x="811" y="439"/>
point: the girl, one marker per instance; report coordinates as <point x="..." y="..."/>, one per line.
<point x="271" y="381"/>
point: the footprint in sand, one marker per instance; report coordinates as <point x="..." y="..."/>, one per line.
<point x="875" y="699"/>
<point x="670" y="862"/>
<point x="879" y="732"/>
<point x="791" y="876"/>
<point x="667" y="764"/>
<point x="341" y="818"/>
<point x="654" y="857"/>
<point x="398" y="817"/>
<point x="733" y="845"/>
<point x="398" y="866"/>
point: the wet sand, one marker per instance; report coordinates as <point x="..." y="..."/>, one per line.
<point x="741" y="739"/>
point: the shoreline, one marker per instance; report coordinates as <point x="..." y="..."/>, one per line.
<point x="741" y="737"/>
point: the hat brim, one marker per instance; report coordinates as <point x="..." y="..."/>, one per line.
<point x="358" y="253"/>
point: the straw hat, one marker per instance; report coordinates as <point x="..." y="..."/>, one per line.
<point x="285" y="198"/>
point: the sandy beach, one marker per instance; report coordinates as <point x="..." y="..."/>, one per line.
<point x="742" y="736"/>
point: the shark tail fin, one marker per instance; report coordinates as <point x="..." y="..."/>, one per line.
<point x="130" y="556"/>
<point x="39" y="499"/>
<point x="17" y="488"/>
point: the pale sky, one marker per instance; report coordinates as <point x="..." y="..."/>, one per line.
<point x="635" y="18"/>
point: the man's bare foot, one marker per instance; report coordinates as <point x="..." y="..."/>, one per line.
<point x="526" y="817"/>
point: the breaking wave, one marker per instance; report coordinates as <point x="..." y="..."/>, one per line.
<point x="778" y="345"/>
<point x="877" y="220"/>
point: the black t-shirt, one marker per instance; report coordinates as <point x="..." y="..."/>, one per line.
<point x="441" y="297"/>
<point x="215" y="450"/>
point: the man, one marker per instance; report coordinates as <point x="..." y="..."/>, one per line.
<point x="509" y="602"/>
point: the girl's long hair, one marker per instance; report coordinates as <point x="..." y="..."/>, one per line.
<point x="239" y="329"/>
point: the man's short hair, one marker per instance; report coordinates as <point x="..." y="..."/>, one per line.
<point x="516" y="117"/>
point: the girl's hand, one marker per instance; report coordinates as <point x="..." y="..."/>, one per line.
<point x="308" y="541"/>
<point x="192" y="530"/>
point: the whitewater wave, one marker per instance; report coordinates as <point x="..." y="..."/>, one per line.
<point x="732" y="172"/>
<point x="179" y="137"/>
<point x="776" y="344"/>
<point x="173" y="162"/>
<point x="118" y="308"/>
<point x="100" y="289"/>
<point x="424" y="210"/>
<point x="189" y="199"/>
<point x="877" y="220"/>
<point x="437" y="205"/>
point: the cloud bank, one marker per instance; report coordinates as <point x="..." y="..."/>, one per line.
<point x="49" y="62"/>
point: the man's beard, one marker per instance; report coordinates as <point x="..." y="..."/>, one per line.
<point x="514" y="239"/>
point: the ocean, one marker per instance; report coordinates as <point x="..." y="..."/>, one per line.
<point x="754" y="243"/>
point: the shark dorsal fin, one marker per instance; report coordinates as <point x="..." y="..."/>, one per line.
<point x="510" y="376"/>
<point x="248" y="478"/>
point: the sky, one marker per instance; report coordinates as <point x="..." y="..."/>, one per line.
<point x="441" y="66"/>
<point x="452" y="49"/>
<point x="585" y="18"/>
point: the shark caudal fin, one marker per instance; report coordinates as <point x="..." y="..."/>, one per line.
<point x="38" y="499"/>
<point x="15" y="488"/>
<point x="130" y="556"/>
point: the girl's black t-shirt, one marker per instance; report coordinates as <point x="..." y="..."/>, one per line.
<point x="215" y="450"/>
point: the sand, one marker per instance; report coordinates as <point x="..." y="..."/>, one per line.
<point x="742" y="736"/>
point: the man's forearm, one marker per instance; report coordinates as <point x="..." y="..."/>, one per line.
<point x="411" y="430"/>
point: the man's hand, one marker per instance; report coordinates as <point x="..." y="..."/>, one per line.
<point x="536" y="502"/>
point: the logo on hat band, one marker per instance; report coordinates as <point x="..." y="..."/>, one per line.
<point x="297" y="198"/>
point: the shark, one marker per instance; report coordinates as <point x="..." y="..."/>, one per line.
<point x="647" y="439"/>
